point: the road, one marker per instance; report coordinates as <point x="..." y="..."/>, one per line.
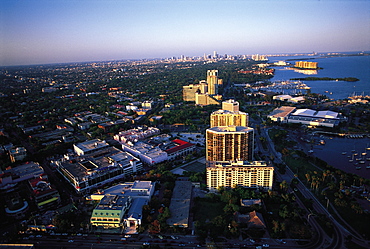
<point x="321" y="240"/>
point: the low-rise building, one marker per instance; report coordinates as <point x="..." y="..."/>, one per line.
<point x="138" y="193"/>
<point x="180" y="204"/>
<point x="281" y="114"/>
<point x="99" y="167"/>
<point x="17" y="154"/>
<point x="20" y="173"/>
<point x="180" y="148"/>
<point x="316" y="118"/>
<point x="110" y="211"/>
<point x="43" y="195"/>
<point x="89" y="147"/>
<point x="147" y="153"/>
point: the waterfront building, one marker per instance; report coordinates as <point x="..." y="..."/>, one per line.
<point x="229" y="143"/>
<point x="306" y="64"/>
<point x="281" y="114"/>
<point x="249" y="174"/>
<point x="289" y="98"/>
<point x="257" y="57"/>
<point x="316" y="118"/>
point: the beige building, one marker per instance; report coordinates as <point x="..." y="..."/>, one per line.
<point x="213" y="82"/>
<point x="206" y="92"/>
<point x="226" y="118"/>
<point x="188" y="92"/>
<point x="306" y="64"/>
<point x="206" y="99"/>
<point x="249" y="174"/>
<point x="230" y="105"/>
<point x="229" y="143"/>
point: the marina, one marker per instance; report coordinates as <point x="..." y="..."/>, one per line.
<point x="351" y="155"/>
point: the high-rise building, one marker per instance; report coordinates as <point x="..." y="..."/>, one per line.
<point x="230" y="105"/>
<point x="188" y="92"/>
<point x="212" y="81"/>
<point x="229" y="115"/>
<point x="229" y="143"/>
<point x="204" y="93"/>
<point x="227" y="118"/>
<point x="254" y="174"/>
<point x="215" y="55"/>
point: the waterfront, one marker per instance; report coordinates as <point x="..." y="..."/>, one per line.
<point x="333" y="67"/>
<point x="338" y="152"/>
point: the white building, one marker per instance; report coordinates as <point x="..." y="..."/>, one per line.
<point x="281" y="114"/>
<point x="99" y="167"/>
<point x="90" y="146"/>
<point x="315" y="118"/>
<point x="147" y="153"/>
<point x="253" y="174"/>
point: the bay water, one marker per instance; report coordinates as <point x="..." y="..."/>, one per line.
<point x="337" y="152"/>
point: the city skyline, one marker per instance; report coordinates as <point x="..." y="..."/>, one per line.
<point x="41" y="31"/>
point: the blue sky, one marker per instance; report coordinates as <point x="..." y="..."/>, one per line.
<point x="53" y="31"/>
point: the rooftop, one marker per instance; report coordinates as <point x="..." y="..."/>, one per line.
<point x="230" y="128"/>
<point x="282" y="111"/>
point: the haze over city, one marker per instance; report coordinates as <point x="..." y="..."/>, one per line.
<point x="42" y="31"/>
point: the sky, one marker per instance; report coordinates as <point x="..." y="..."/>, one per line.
<point x="62" y="31"/>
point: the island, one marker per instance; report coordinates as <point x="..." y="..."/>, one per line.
<point x="350" y="79"/>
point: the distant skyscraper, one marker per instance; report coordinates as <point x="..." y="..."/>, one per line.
<point x="215" y="56"/>
<point x="229" y="143"/>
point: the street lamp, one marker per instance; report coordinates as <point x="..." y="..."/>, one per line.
<point x="327" y="202"/>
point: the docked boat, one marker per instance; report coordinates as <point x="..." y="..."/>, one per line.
<point x="344" y="153"/>
<point x="358" y="167"/>
<point x="322" y="141"/>
<point x="368" y="167"/>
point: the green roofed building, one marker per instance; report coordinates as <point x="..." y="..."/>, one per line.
<point x="110" y="211"/>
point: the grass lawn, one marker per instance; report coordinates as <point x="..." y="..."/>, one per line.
<point x="206" y="209"/>
<point x="195" y="167"/>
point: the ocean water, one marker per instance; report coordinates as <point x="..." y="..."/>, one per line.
<point x="333" y="67"/>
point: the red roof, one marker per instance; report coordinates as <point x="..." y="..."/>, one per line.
<point x="181" y="145"/>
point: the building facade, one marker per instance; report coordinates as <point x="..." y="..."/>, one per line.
<point x="229" y="143"/>
<point x="230" y="105"/>
<point x="249" y="174"/>
<point x="226" y="118"/>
